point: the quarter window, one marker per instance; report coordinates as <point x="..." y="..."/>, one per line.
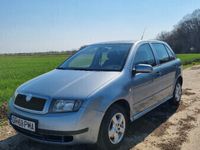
<point x="162" y="52"/>
<point x="144" y="55"/>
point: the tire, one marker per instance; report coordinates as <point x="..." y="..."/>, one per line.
<point x="177" y="94"/>
<point x="113" y="128"/>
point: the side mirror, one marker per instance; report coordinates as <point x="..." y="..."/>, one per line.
<point x="143" y="68"/>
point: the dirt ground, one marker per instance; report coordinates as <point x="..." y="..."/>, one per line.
<point x="165" y="128"/>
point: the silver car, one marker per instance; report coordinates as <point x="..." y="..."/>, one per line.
<point x="94" y="95"/>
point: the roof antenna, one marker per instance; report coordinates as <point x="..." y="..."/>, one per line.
<point x="143" y="34"/>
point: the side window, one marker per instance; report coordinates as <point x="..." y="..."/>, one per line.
<point x="171" y="54"/>
<point x="162" y="52"/>
<point x="144" y="55"/>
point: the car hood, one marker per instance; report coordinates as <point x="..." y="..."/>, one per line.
<point x="67" y="83"/>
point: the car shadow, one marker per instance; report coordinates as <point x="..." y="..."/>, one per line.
<point x="137" y="132"/>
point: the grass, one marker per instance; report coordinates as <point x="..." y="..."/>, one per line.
<point x="14" y="70"/>
<point x="188" y="57"/>
<point x="189" y="60"/>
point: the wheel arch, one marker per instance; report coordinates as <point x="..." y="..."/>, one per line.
<point x="180" y="79"/>
<point x="122" y="103"/>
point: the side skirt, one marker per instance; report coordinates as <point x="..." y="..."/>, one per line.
<point x="140" y="114"/>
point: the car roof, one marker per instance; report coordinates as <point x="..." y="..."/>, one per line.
<point x="127" y="42"/>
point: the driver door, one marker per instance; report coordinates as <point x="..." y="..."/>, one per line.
<point x="143" y="86"/>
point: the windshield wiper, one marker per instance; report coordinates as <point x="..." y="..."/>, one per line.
<point x="61" y="68"/>
<point x="84" y="69"/>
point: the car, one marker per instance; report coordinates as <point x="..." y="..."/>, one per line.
<point x="95" y="94"/>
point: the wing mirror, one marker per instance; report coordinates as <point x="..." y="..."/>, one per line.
<point x="143" y="68"/>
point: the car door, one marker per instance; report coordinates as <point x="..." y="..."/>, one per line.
<point x="143" y="86"/>
<point x="165" y="72"/>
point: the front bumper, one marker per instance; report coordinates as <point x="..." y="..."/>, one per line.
<point x="48" y="136"/>
<point x="62" y="128"/>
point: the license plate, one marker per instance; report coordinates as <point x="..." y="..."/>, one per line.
<point x="22" y="123"/>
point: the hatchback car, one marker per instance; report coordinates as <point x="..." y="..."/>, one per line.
<point x="94" y="95"/>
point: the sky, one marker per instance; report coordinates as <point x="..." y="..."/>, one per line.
<point x="58" y="25"/>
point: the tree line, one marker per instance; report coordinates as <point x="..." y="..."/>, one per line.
<point x="185" y="36"/>
<point x="42" y="53"/>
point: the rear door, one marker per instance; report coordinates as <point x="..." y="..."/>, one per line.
<point x="165" y="72"/>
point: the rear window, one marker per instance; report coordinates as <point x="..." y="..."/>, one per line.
<point x="171" y="54"/>
<point x="161" y="52"/>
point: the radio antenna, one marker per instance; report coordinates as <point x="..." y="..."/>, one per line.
<point x="143" y="34"/>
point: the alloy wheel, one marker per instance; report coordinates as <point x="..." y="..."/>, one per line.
<point x="116" y="129"/>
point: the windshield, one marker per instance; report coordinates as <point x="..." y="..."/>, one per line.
<point x="101" y="57"/>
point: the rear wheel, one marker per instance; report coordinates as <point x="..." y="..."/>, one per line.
<point x="113" y="128"/>
<point x="177" y="94"/>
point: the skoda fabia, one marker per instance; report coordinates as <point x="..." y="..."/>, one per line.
<point x="94" y="95"/>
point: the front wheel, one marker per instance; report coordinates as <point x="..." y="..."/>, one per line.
<point x="113" y="128"/>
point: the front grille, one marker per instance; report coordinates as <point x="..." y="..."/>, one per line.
<point x="34" y="103"/>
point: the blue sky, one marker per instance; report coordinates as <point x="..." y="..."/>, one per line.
<point x="46" y="25"/>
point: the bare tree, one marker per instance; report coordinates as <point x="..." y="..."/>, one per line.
<point x="185" y="37"/>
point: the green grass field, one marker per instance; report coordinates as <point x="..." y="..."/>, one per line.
<point x="188" y="59"/>
<point x="14" y="70"/>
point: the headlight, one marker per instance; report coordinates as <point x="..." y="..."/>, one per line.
<point x="66" y="105"/>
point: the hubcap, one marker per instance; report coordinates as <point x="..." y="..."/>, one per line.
<point x="178" y="92"/>
<point x="117" y="128"/>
